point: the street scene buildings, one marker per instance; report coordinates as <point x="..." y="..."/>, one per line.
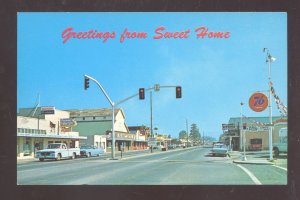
<point x="76" y="127"/>
<point x="152" y="98"/>
<point x="93" y="127"/>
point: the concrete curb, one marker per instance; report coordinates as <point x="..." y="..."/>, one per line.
<point x="236" y="157"/>
<point x="255" y="162"/>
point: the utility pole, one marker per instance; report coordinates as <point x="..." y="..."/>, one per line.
<point x="156" y="88"/>
<point x="187" y="133"/>
<point x="269" y="60"/>
<point x="151" y="119"/>
<point x="243" y="133"/>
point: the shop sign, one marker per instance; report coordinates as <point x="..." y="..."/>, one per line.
<point x="258" y="102"/>
<point x="47" y="110"/>
<point x="124" y="136"/>
<point x="67" y="122"/>
<point x="152" y="141"/>
<point x="257" y="128"/>
<point x="228" y="126"/>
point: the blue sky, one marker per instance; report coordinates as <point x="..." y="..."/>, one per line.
<point x="215" y="74"/>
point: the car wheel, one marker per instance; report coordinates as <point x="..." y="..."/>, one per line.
<point x="58" y="157"/>
<point x="88" y="155"/>
<point x="73" y="156"/>
<point x="41" y="159"/>
<point x="276" y="152"/>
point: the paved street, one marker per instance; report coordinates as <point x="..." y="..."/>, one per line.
<point x="191" y="166"/>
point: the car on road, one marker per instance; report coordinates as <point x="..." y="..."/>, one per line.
<point x="57" y="151"/>
<point x="88" y="151"/>
<point x="219" y="149"/>
<point x="172" y="146"/>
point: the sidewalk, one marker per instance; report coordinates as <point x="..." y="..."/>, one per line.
<point x="257" y="158"/>
<point x="23" y="160"/>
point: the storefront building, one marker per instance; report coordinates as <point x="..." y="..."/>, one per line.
<point x="91" y="122"/>
<point x="141" y="136"/>
<point x="256" y="131"/>
<point x="36" y="130"/>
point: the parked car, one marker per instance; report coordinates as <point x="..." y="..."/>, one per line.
<point x="57" y="151"/>
<point x="281" y="145"/>
<point x="172" y="146"/>
<point x="88" y="151"/>
<point x="219" y="150"/>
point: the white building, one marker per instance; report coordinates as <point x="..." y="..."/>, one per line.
<point x="36" y="130"/>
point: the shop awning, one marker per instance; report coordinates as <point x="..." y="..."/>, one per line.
<point x="61" y="136"/>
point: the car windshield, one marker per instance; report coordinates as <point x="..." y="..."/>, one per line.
<point x="219" y="146"/>
<point x="53" y="146"/>
<point x="85" y="147"/>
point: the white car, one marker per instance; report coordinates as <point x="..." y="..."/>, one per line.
<point x="281" y="146"/>
<point x="57" y="151"/>
<point x="219" y="150"/>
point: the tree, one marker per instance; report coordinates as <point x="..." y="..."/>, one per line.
<point x="175" y="141"/>
<point x="182" y="135"/>
<point x="195" y="136"/>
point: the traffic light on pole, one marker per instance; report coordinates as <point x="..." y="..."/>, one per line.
<point x="178" y="92"/>
<point x="86" y="83"/>
<point x="142" y="93"/>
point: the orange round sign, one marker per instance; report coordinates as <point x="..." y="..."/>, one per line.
<point x="258" y="102"/>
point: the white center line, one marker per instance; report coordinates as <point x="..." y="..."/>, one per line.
<point x="254" y="179"/>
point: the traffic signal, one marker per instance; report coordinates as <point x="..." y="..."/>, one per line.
<point x="142" y="93"/>
<point x="86" y="82"/>
<point x="178" y="92"/>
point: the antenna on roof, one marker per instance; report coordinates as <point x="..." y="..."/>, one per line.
<point x="37" y="104"/>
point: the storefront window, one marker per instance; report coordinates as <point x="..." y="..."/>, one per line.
<point x="27" y="147"/>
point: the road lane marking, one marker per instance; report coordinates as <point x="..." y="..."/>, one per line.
<point x="164" y="158"/>
<point x="280" y="167"/>
<point x="250" y="174"/>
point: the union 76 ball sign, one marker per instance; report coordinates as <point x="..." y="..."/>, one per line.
<point x="258" y="102"/>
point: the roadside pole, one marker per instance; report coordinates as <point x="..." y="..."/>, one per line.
<point x="113" y="105"/>
<point x="269" y="60"/>
<point x="151" y="120"/>
<point x="113" y="112"/>
<point x="156" y="88"/>
<point x="243" y="134"/>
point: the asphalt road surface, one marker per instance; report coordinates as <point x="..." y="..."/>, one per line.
<point x="191" y="166"/>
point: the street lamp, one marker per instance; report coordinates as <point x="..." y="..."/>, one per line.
<point x="269" y="60"/>
<point x="243" y="134"/>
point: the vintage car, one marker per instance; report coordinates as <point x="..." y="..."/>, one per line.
<point x="88" y="151"/>
<point x="282" y="145"/>
<point x="57" y="151"/>
<point x="219" y="150"/>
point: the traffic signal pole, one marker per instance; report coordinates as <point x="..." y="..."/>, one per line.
<point x="113" y="114"/>
<point x="113" y="105"/>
